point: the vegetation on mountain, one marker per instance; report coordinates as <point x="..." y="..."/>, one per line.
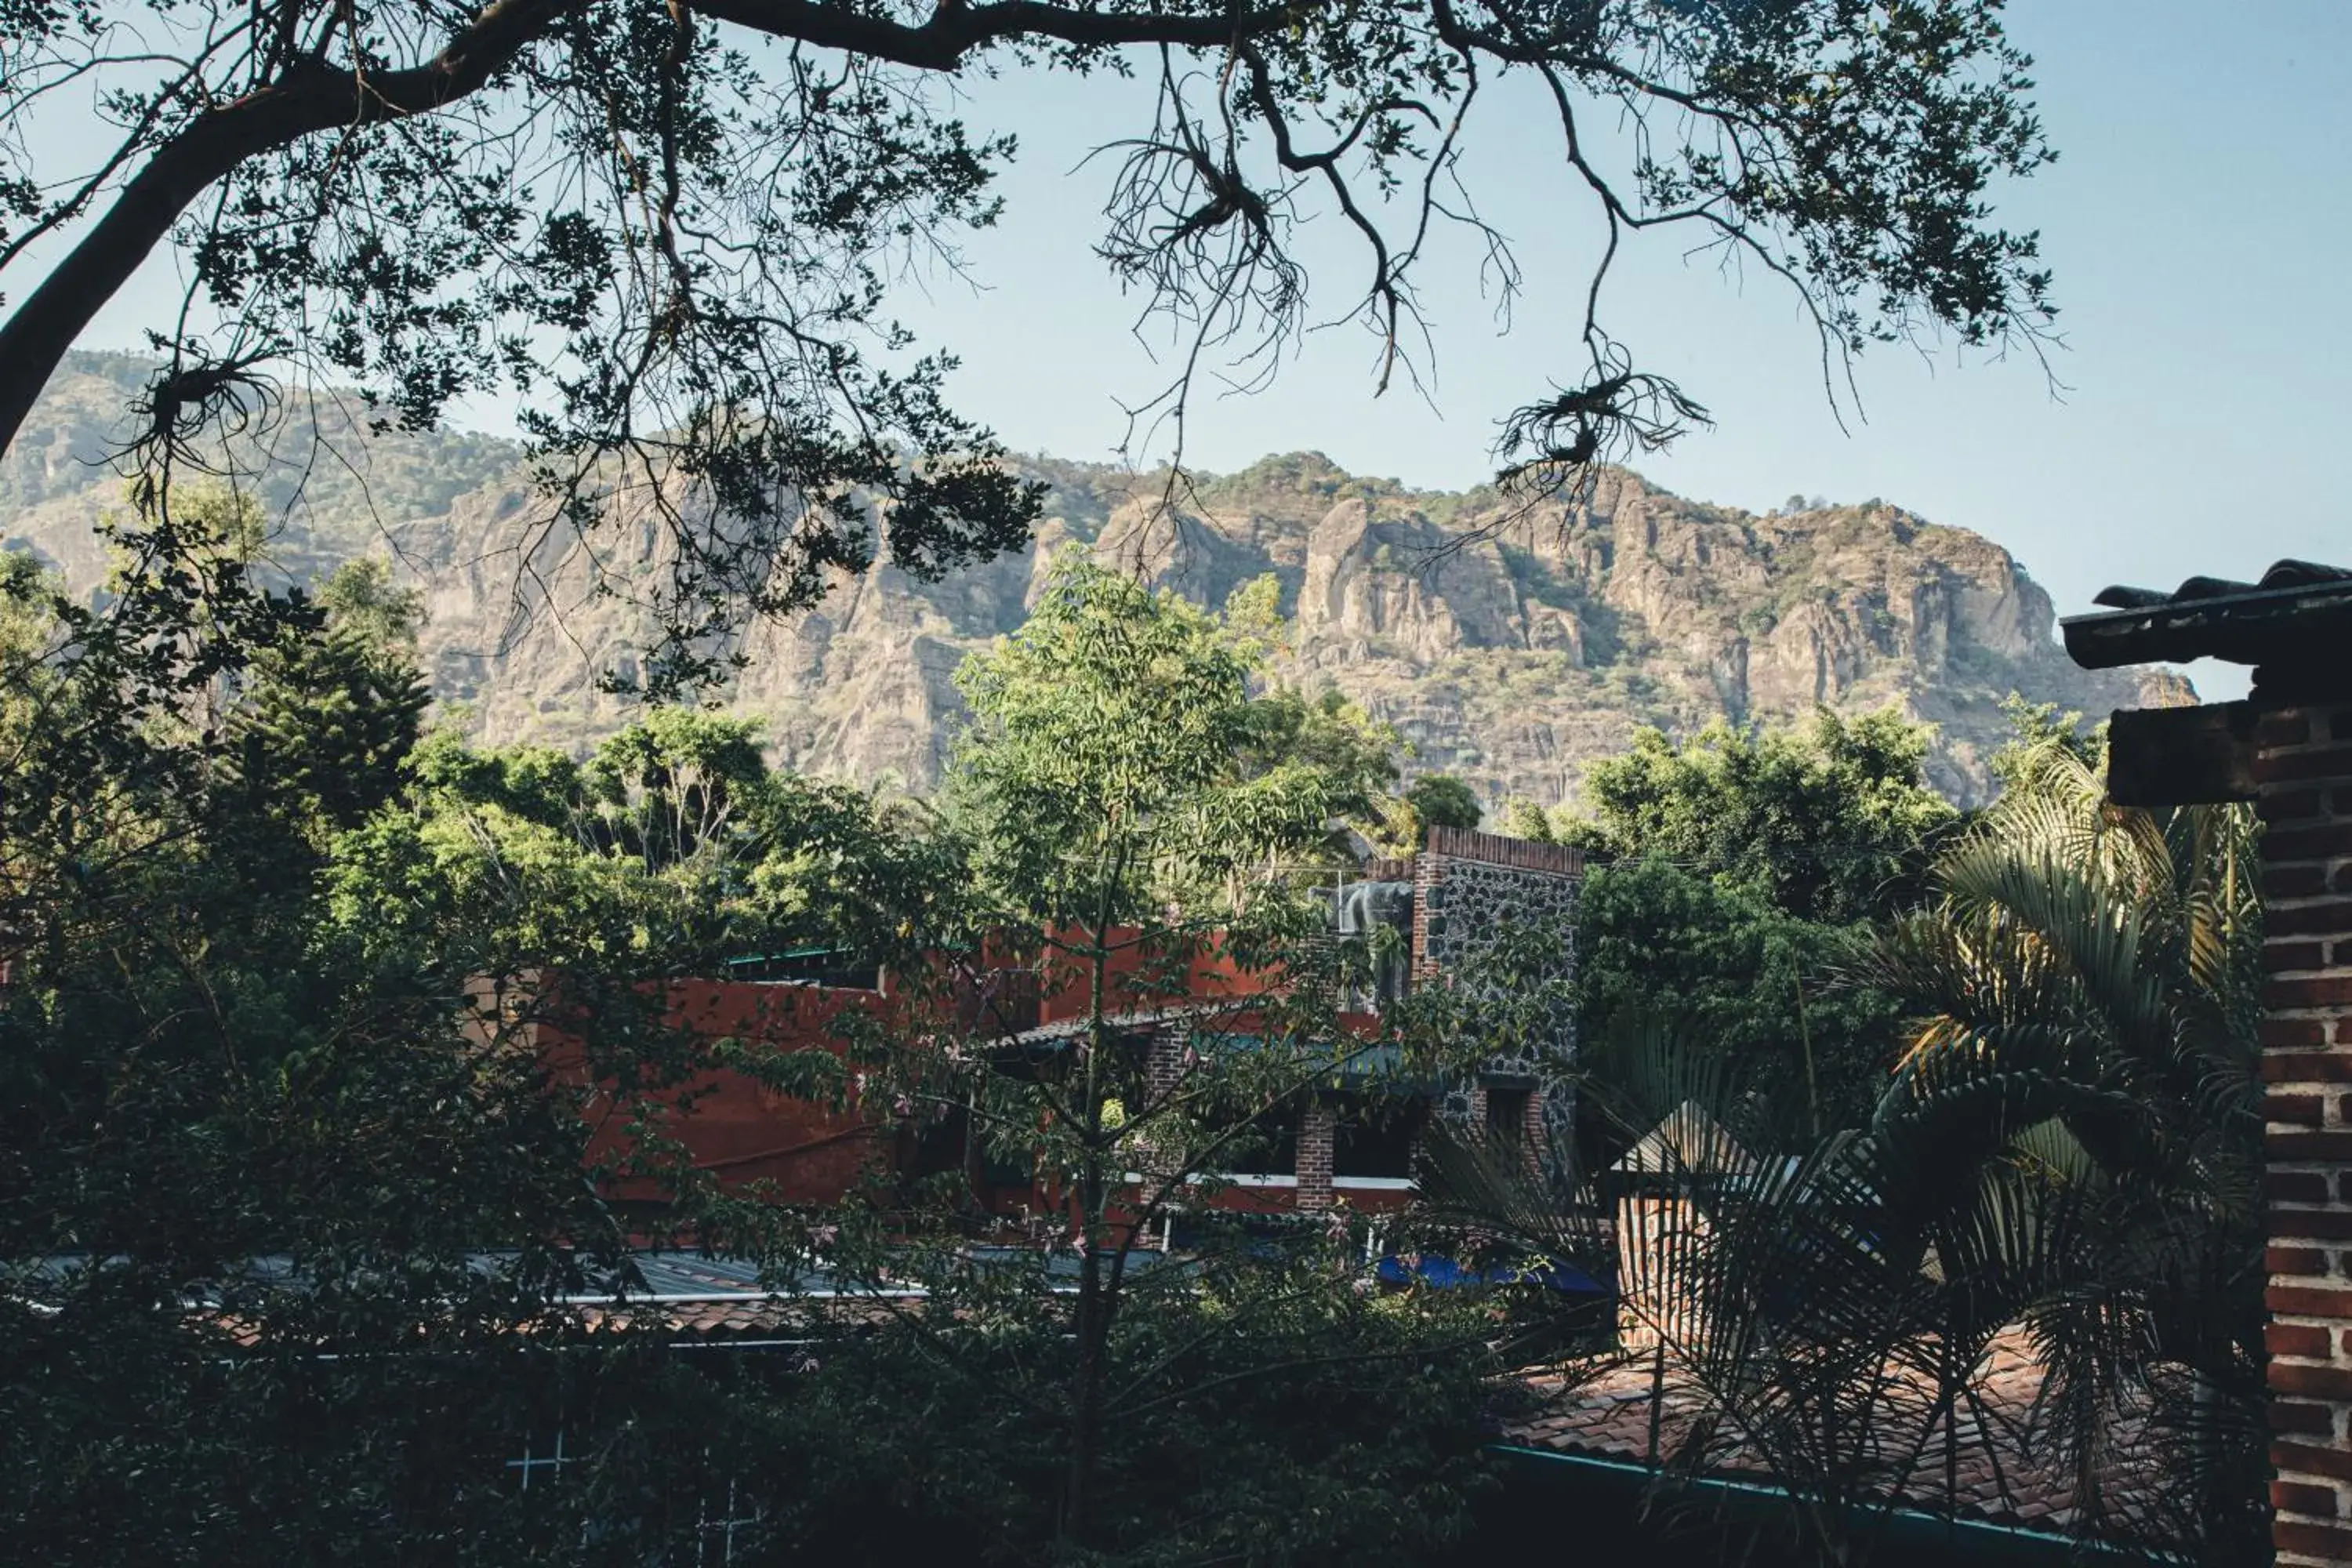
<point x="684" y="290"/>
<point x="1512" y="663"/>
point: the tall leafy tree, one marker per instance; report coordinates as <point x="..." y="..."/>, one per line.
<point x="668" y="235"/>
<point x="1136" y="842"/>
<point x="231" y="1139"/>
<point x="326" y="718"/>
<point x="1739" y="872"/>
<point x="1831" y="821"/>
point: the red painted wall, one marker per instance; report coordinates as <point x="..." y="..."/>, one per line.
<point x="1208" y="975"/>
<point x="743" y="1132"/>
<point x="733" y="1126"/>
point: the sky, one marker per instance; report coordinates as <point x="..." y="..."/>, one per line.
<point x="2198" y="222"/>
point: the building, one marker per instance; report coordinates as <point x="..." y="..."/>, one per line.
<point x="1351" y="1143"/>
<point x="2287" y="748"/>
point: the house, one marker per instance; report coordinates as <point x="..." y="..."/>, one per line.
<point x="2287" y="748"/>
<point x="1351" y="1143"/>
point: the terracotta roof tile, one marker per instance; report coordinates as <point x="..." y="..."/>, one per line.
<point x="1606" y="1409"/>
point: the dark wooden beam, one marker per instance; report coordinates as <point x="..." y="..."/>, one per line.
<point x="2181" y="756"/>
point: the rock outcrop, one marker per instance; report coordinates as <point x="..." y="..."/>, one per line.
<point x="1509" y="644"/>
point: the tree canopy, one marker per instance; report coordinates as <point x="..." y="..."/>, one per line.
<point x="1831" y="821"/>
<point x="668" y="235"/>
<point x="1441" y="800"/>
<point x="1740" y="872"/>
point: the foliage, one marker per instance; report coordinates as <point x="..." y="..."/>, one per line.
<point x="1739" y="872"/>
<point x="231" y="1136"/>
<point x="2071" y="1151"/>
<point x="1523" y="818"/>
<point x="319" y="732"/>
<point x="672" y="850"/>
<point x="684" y="288"/>
<point x="1719" y="964"/>
<point x="1134" y="837"/>
<point x="1831" y="822"/>
<point x="1116" y="762"/>
<point x="1441" y="800"/>
<point x="1329" y="1425"/>
<point x="2089" y="992"/>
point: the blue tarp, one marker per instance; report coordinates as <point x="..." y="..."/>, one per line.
<point x="1447" y="1275"/>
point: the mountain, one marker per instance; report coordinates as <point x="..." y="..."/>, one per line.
<point x="1510" y="646"/>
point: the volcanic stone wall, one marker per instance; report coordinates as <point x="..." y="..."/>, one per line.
<point x="1469" y="888"/>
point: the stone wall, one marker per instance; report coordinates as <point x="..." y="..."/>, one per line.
<point x="1467" y="887"/>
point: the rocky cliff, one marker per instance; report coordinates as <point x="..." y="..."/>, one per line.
<point x="1509" y="646"/>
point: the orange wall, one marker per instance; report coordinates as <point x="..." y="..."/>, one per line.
<point x="1208" y="975"/>
<point x="733" y="1126"/>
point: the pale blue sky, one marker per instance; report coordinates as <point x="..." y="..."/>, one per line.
<point x="2198" y="221"/>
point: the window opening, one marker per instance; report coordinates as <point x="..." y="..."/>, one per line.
<point x="1374" y="1138"/>
<point x="553" y="1463"/>
<point x="1271" y="1146"/>
<point x="1506" y="1113"/>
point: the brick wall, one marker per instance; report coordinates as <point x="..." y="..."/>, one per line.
<point x="1318" y="1131"/>
<point x="2303" y="766"/>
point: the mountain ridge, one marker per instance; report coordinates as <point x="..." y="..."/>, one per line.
<point x="1509" y="644"/>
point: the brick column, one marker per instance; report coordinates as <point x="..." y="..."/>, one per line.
<point x="2303" y="766"/>
<point x="1317" y="1130"/>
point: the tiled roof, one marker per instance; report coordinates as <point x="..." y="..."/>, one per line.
<point x="2283" y="574"/>
<point x="1063" y="1030"/>
<point x="1604" y="1410"/>
<point x="690" y="1295"/>
<point x="721" y="1320"/>
<point x="2299" y="611"/>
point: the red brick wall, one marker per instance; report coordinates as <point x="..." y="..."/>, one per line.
<point x="2303" y="762"/>
<point x="1319" y="1126"/>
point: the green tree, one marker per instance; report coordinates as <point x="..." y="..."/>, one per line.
<point x="1740" y="873"/>
<point x="319" y="735"/>
<point x="1831" y="822"/>
<point x="2071" y="1150"/>
<point x="360" y="597"/>
<point x="1523" y="818"/>
<point x="1132" y="835"/>
<point x="2087" y="995"/>
<point x="684" y="288"/>
<point x="1716" y="963"/>
<point x="1441" y="800"/>
<point x="199" y="1074"/>
<point x="673" y="850"/>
